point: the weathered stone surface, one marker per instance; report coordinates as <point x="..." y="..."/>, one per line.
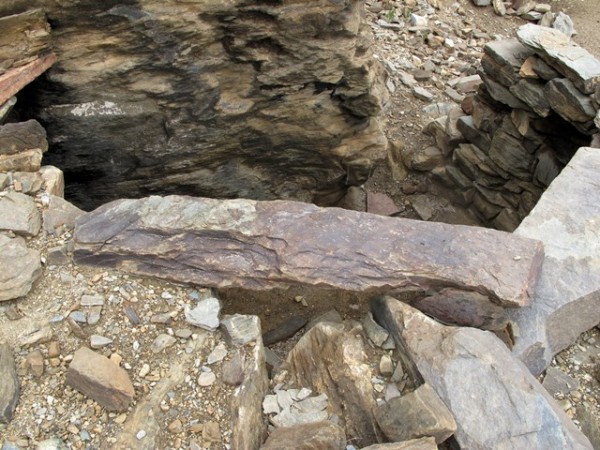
<point x="413" y="444"/>
<point x="20" y="267"/>
<point x="573" y="61"/>
<point x="312" y="436"/>
<point x="205" y="314"/>
<point x="60" y="216"/>
<point x="262" y="245"/>
<point x="247" y="424"/>
<point x="201" y="97"/>
<point x="504" y="59"/>
<point x="54" y="180"/>
<point x="34" y="361"/>
<point x="502" y="94"/>
<point x="567" y="298"/>
<point x="504" y="406"/>
<point x="27" y="161"/>
<point x="18" y="137"/>
<point x="418" y="414"/>
<point x="9" y="387"/>
<point x="100" y="379"/>
<point x="240" y="329"/>
<point x="24" y="37"/>
<point x="19" y="214"/>
<point x="469" y="309"/>
<point x="381" y="204"/>
<point x="341" y="372"/>
<point x="566" y="100"/>
<point x="533" y="94"/>
<point x="558" y="382"/>
<point x="467" y="127"/>
<point x="511" y="155"/>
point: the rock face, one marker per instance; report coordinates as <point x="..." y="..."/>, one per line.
<point x="19" y="214"/>
<point x="101" y="379"/>
<point x="496" y="402"/>
<point x="262" y="245"/>
<point x="228" y="99"/>
<point x="20" y="267"/>
<point x="567" y="298"/>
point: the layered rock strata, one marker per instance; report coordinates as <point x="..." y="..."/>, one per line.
<point x="256" y="99"/>
<point x="538" y="103"/>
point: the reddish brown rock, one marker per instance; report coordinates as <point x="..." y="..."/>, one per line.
<point x="100" y="379"/>
<point x="263" y="245"/>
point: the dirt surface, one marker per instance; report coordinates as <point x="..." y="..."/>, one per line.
<point x="49" y="410"/>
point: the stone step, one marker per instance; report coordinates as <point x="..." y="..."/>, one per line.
<point x="263" y="245"/>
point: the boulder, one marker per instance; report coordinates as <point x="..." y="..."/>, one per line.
<point x="496" y="402"/>
<point x="567" y="298"/>
<point x="263" y="245"/>
<point x="221" y="99"/>
<point x="101" y="379"/>
<point x="9" y="388"/>
<point x="330" y="359"/>
<point x="20" y="267"/>
<point x="19" y="137"/>
<point x="60" y="216"/>
<point x="19" y="214"/>
<point x="418" y="414"/>
<point x="413" y="444"/>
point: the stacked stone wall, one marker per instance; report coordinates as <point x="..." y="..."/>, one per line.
<point x="538" y="102"/>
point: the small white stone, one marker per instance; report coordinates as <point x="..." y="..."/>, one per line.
<point x="140" y="435"/>
<point x="206" y="379"/>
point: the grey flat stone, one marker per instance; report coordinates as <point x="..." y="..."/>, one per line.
<point x="97" y="341"/>
<point x="414" y="444"/>
<point x="567" y="297"/>
<point x="566" y="100"/>
<point x="162" y="342"/>
<point x="376" y="333"/>
<point x="558" y="382"/>
<point x="496" y="402"/>
<point x="19" y="214"/>
<point x="20" y="267"/>
<point x="60" y="216"/>
<point x="240" y="329"/>
<point x="91" y="300"/>
<point x="573" y="61"/>
<point x="205" y="314"/>
<point x="264" y="245"/>
<point x="9" y="387"/>
<point x="217" y="355"/>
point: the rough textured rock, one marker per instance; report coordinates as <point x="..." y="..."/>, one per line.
<point x="342" y="373"/>
<point x="60" y="216"/>
<point x="504" y="407"/>
<point x="9" y="388"/>
<point x="229" y="99"/>
<point x="413" y="444"/>
<point x="20" y="267"/>
<point x="248" y="426"/>
<point x="418" y="414"/>
<point x="567" y="298"/>
<point x="573" y="61"/>
<point x="262" y="245"/>
<point x="18" y="137"/>
<point x="100" y="379"/>
<point x="19" y="214"/>
<point x="312" y="436"/>
<point x="284" y="330"/>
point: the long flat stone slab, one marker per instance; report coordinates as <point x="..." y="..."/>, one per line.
<point x="263" y="245"/>
<point x="496" y="403"/>
<point x="567" y="297"/>
<point x="16" y="79"/>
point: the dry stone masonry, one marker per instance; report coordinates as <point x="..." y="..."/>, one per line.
<point x="538" y="103"/>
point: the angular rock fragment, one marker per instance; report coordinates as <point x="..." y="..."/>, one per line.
<point x="100" y="379"/>
<point x="18" y="137"/>
<point x="284" y="330"/>
<point x="312" y="436"/>
<point x="247" y="424"/>
<point x="418" y="414"/>
<point x="330" y="359"/>
<point x="567" y="297"/>
<point x="9" y="387"/>
<point x="60" y="216"/>
<point x="19" y="214"/>
<point x="240" y="329"/>
<point x="205" y="314"/>
<point x="504" y="406"/>
<point x="263" y="245"/>
<point x="573" y="61"/>
<point x="566" y="100"/>
<point x="20" y="267"/>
